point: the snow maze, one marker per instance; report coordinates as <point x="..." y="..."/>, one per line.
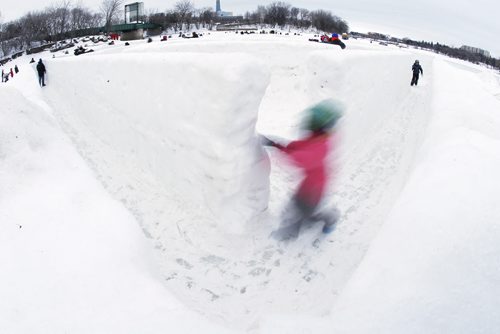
<point x="171" y="134"/>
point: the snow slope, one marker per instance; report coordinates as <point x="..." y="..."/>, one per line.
<point x="431" y="269"/>
<point x="72" y="258"/>
<point x="168" y="130"/>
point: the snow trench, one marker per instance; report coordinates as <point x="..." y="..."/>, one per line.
<point x="174" y="140"/>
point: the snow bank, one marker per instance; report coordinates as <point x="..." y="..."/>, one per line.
<point x="180" y="121"/>
<point x="434" y="266"/>
<point x="73" y="260"/>
<point x="170" y="134"/>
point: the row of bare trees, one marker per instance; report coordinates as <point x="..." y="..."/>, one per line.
<point x="65" y="19"/>
<point x="55" y="22"/>
<point x="184" y="16"/>
<point x="283" y="14"/>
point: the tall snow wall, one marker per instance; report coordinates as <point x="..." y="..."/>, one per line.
<point x="180" y="122"/>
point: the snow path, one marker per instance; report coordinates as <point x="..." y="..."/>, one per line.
<point x="232" y="277"/>
<point x="228" y="276"/>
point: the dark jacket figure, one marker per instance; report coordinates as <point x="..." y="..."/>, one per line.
<point x="16" y="69"/>
<point x="417" y="70"/>
<point x="40" y="67"/>
<point x="32" y="60"/>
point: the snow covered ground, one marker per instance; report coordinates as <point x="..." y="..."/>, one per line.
<point x="135" y="197"/>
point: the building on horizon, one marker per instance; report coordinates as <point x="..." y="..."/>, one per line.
<point x="219" y="12"/>
<point x="475" y="50"/>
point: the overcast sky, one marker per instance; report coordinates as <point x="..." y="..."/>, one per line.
<point x="452" y="22"/>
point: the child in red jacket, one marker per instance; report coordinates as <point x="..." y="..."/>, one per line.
<point x="310" y="154"/>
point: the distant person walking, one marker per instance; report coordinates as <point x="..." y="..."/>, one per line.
<point x="11" y="73"/>
<point x="16" y="69"/>
<point x="40" y="67"/>
<point x="417" y="70"/>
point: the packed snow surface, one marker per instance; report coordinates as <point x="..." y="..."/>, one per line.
<point x="135" y="196"/>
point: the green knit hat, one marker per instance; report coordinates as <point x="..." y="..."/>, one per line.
<point x="324" y="115"/>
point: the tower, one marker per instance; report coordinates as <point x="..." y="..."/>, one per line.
<point x="217" y="6"/>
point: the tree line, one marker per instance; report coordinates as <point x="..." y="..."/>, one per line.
<point x="456" y="53"/>
<point x="185" y="16"/>
<point x="65" y="19"/>
<point x="55" y="22"/>
<point x="443" y="49"/>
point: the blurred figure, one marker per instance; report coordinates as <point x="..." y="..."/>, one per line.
<point x="32" y="60"/>
<point x="417" y="69"/>
<point x="16" y="69"/>
<point x="333" y="40"/>
<point x="11" y="73"/>
<point x="40" y="68"/>
<point x="310" y="154"/>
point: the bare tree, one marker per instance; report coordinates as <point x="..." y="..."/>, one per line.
<point x="60" y="16"/>
<point x="207" y="16"/>
<point x="110" y="10"/>
<point x="325" y="21"/>
<point x="278" y="13"/>
<point x="294" y="15"/>
<point x="261" y="14"/>
<point x="304" y="18"/>
<point x="185" y="10"/>
<point x="2" y="52"/>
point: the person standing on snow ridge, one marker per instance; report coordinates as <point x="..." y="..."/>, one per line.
<point x="40" y="67"/>
<point x="310" y="155"/>
<point x="16" y="69"/>
<point x="417" y="69"/>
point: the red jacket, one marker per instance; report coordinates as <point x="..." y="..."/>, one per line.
<point x="310" y="155"/>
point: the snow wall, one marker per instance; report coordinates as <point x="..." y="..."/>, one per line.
<point x="179" y="122"/>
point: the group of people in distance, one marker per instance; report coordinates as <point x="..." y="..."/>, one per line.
<point x="5" y="75"/>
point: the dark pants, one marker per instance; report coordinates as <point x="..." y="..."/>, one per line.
<point x="41" y="79"/>
<point x="298" y="213"/>
<point x="338" y="42"/>
<point x="414" y="79"/>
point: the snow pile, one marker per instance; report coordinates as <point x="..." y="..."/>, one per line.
<point x="433" y="268"/>
<point x="168" y="131"/>
<point x="73" y="260"/>
<point x="201" y="147"/>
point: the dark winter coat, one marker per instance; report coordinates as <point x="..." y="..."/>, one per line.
<point x="416" y="68"/>
<point x="40" y="67"/>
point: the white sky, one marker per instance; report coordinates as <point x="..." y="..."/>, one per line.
<point x="452" y="22"/>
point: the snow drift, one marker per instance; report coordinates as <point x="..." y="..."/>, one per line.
<point x="170" y="134"/>
<point x="73" y="259"/>
<point x="183" y="124"/>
